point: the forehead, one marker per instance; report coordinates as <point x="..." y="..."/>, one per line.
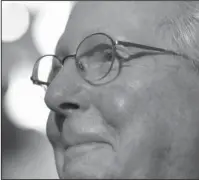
<point x="133" y="21"/>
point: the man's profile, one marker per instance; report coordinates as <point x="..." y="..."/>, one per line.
<point x="124" y="91"/>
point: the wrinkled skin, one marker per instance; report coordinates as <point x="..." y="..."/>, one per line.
<point x="149" y="115"/>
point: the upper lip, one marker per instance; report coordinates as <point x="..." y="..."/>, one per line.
<point x="73" y="135"/>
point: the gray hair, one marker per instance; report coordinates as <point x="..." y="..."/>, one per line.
<point x="182" y="27"/>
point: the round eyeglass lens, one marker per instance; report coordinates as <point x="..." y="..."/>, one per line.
<point x="47" y="68"/>
<point x="95" y="56"/>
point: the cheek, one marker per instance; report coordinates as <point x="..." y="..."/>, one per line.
<point x="116" y="105"/>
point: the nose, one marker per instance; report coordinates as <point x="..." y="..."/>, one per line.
<point x="68" y="92"/>
<point x="76" y="116"/>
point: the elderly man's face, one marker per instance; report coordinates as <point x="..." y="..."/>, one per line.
<point x="144" y="124"/>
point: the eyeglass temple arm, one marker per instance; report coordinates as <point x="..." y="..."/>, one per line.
<point x="130" y="44"/>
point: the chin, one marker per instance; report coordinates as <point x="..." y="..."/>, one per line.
<point x="88" y="169"/>
<point x="88" y="173"/>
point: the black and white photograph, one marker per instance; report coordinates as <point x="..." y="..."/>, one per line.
<point x="100" y="90"/>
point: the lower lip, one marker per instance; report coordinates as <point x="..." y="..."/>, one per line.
<point x="79" y="150"/>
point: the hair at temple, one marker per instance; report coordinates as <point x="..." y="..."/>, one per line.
<point x="183" y="27"/>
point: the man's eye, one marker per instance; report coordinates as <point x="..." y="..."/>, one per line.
<point x="108" y="55"/>
<point x="81" y="67"/>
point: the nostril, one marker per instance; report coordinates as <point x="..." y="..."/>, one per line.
<point x="69" y="106"/>
<point x="60" y="118"/>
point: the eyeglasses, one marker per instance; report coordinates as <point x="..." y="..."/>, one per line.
<point x="97" y="60"/>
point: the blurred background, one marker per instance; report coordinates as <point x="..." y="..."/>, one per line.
<point x="29" y="29"/>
